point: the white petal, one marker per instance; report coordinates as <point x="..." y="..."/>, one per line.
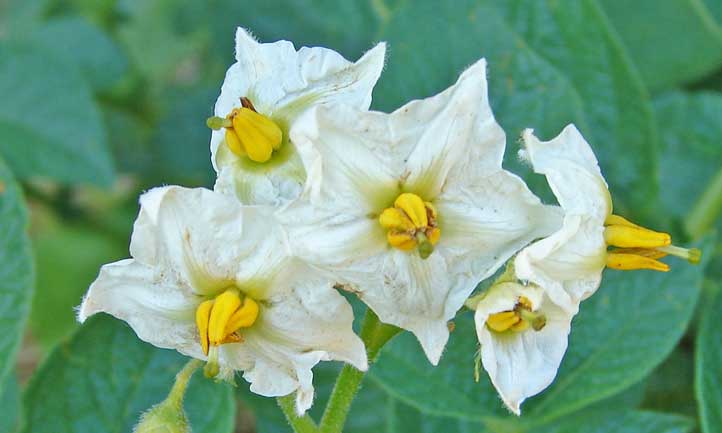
<point x="159" y="308"/>
<point x="572" y="171"/>
<point x="282" y="83"/>
<point x="521" y="364"/>
<point x="304" y="322"/>
<point x="486" y="222"/>
<point x="568" y="264"/>
<point x="348" y="159"/>
<point x="205" y="238"/>
<point x="456" y="135"/>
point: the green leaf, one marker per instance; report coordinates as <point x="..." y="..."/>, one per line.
<point x="620" y="422"/>
<point x="708" y="366"/>
<point x="550" y="63"/>
<point x="85" y="45"/>
<point x="105" y="377"/>
<point x="49" y="123"/>
<point x="10" y="407"/>
<point x="63" y="278"/>
<point x="669" y="387"/>
<point x="690" y="152"/>
<point x="625" y="330"/>
<point x="671" y="42"/>
<point x="16" y="270"/>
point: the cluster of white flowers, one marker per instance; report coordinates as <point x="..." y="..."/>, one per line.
<point x="408" y="210"/>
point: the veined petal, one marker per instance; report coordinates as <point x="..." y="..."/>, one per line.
<point x="158" y="307"/>
<point x="521" y="364"/>
<point x="204" y="237"/>
<point x="304" y="322"/>
<point x="568" y="264"/>
<point x="347" y="159"/>
<point x="455" y="134"/>
<point x="572" y="171"/>
<point x="486" y="222"/>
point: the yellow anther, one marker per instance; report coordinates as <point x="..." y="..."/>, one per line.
<point x="411" y="223"/>
<point x="414" y="208"/>
<point x="628" y="262"/>
<point x="258" y="134"/>
<point x="402" y="241"/>
<point x="203" y="314"/>
<point x="635" y="237"/>
<point x="503" y="321"/>
<point x="234" y="143"/>
<point x="639" y="248"/>
<point x="223" y="308"/>
<point x="616" y="220"/>
<point x="219" y="319"/>
<point x="519" y="319"/>
<point x="395" y="219"/>
<point x="244" y="317"/>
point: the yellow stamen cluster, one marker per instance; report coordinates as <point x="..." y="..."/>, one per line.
<point x="517" y="320"/>
<point x="249" y="133"/>
<point x="218" y="321"/>
<point x="639" y="248"/>
<point x="411" y="223"/>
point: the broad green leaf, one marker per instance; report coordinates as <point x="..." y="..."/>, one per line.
<point x="104" y="378"/>
<point x="181" y="143"/>
<point x="671" y="42"/>
<point x="550" y="64"/>
<point x="10" y="408"/>
<point x="85" y="45"/>
<point x="669" y="387"/>
<point x="714" y="7"/>
<point x="49" y="123"/>
<point x="63" y="277"/>
<point x="625" y="330"/>
<point x="708" y="366"/>
<point x="620" y="422"/>
<point x="690" y="147"/>
<point x="16" y="270"/>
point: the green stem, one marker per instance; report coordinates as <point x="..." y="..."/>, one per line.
<point x="176" y="394"/>
<point x="707" y="209"/>
<point x="300" y="424"/>
<point x="374" y="335"/>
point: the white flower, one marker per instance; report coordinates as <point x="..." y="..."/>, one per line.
<point x="569" y="263"/>
<point x="211" y="277"/>
<point x="523" y="337"/>
<point x="412" y="209"/>
<point x="262" y="96"/>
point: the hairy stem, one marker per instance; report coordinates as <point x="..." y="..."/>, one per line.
<point x="374" y="335"/>
<point x="300" y="424"/>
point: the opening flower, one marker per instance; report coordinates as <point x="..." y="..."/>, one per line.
<point x="213" y="280"/>
<point x="569" y="263"/>
<point x="523" y="337"/>
<point x="412" y="209"/>
<point x="263" y="95"/>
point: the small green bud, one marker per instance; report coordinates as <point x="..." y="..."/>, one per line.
<point x="165" y="417"/>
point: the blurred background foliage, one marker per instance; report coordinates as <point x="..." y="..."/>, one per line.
<point x="102" y="99"/>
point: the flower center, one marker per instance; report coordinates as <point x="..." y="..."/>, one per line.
<point x="640" y="248"/>
<point x="411" y="223"/>
<point x="517" y="320"/>
<point x="218" y="321"/>
<point x="249" y="133"/>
